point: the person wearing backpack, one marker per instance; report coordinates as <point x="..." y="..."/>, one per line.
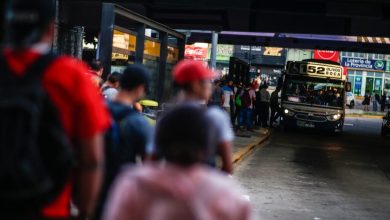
<point x="131" y="134"/>
<point x="52" y="137"/>
<point x="247" y="99"/>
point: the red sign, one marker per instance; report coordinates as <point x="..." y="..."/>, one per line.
<point x="327" y="55"/>
<point x="195" y="52"/>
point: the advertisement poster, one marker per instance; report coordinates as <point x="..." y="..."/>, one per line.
<point x="358" y="84"/>
<point x="327" y="55"/>
<point x="197" y="51"/>
<point x="224" y="52"/>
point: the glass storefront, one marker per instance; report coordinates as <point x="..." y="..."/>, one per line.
<point x="375" y="82"/>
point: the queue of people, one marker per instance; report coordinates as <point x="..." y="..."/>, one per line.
<point x="101" y="155"/>
<point x="248" y="106"/>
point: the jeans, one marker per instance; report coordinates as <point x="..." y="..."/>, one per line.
<point x="275" y="114"/>
<point x="248" y="114"/>
<point x="375" y="106"/>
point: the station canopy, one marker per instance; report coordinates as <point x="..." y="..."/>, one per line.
<point x="354" y="24"/>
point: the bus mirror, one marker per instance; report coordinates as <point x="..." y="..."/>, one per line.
<point x="348" y="87"/>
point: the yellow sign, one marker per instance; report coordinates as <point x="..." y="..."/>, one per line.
<point x="322" y="70"/>
<point x="173" y="54"/>
<point x="152" y="48"/>
<point x="124" y="41"/>
<point x="273" y="51"/>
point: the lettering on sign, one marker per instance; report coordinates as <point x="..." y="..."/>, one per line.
<point x="319" y="70"/>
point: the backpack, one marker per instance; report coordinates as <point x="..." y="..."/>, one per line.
<point x="36" y="156"/>
<point x="238" y="101"/>
<point x="246" y="99"/>
<point x="116" y="146"/>
<point x="116" y="152"/>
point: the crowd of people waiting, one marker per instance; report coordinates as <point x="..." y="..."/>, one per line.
<point x="248" y="105"/>
<point x="63" y="149"/>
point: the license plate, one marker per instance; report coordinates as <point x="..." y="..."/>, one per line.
<point x="305" y="124"/>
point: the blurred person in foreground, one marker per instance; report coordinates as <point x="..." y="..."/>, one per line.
<point x="96" y="72"/>
<point x="217" y="98"/>
<point x="48" y="120"/>
<point x="111" y="86"/>
<point x="195" y="82"/>
<point x="130" y="135"/>
<point x="183" y="187"/>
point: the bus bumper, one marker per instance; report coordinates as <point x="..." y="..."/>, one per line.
<point x="332" y="126"/>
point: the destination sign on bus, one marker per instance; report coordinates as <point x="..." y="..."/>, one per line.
<point x="321" y="70"/>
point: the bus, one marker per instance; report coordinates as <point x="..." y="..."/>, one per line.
<point x="314" y="95"/>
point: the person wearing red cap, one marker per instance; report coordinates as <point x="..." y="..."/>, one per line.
<point x="195" y="82"/>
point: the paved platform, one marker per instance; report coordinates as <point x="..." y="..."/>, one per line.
<point x="245" y="142"/>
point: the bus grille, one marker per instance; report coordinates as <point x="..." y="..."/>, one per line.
<point x="314" y="118"/>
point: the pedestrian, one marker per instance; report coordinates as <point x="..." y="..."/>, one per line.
<point x="375" y="102"/>
<point x="96" y="72"/>
<point x="111" y="86"/>
<point x="194" y="82"/>
<point x="264" y="105"/>
<point x="183" y="187"/>
<point x="130" y="136"/>
<point x="217" y="98"/>
<point x="366" y="100"/>
<point x="228" y="97"/>
<point x="53" y="108"/>
<point x="248" y="99"/>
<point x="383" y="101"/>
<point x="238" y="105"/>
<point x="276" y="110"/>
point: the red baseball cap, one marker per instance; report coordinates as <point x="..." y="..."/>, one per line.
<point x="189" y="70"/>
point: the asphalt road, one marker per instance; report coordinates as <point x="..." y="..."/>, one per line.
<point x="307" y="175"/>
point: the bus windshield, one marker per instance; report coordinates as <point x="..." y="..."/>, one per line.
<point x="314" y="91"/>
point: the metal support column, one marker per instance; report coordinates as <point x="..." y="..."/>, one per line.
<point x="214" y="44"/>
<point x="105" y="41"/>
<point x="181" y="44"/>
<point x="140" y="44"/>
<point x="163" y="64"/>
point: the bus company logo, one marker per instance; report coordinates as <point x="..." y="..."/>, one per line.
<point x="379" y="64"/>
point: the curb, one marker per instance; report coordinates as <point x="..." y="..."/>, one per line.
<point x="364" y="116"/>
<point x="241" y="154"/>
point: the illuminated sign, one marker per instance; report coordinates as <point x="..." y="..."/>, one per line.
<point x="273" y="51"/>
<point x="124" y="41"/>
<point x="321" y="70"/>
<point x="326" y="55"/>
<point x="315" y="69"/>
<point x="173" y="54"/>
<point x="197" y="51"/>
<point x="152" y="48"/>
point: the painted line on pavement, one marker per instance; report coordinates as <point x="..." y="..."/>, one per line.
<point x="364" y="116"/>
<point x="241" y="154"/>
<point x="345" y="124"/>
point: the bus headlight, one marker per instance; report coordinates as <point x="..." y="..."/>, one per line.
<point x="334" y="117"/>
<point x="288" y="112"/>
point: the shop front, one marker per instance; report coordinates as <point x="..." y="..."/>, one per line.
<point x="367" y="75"/>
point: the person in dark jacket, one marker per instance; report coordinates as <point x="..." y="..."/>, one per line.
<point x="130" y="137"/>
<point x="383" y="102"/>
<point x="275" y="108"/>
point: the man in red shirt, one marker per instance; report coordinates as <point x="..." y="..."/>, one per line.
<point x="81" y="110"/>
